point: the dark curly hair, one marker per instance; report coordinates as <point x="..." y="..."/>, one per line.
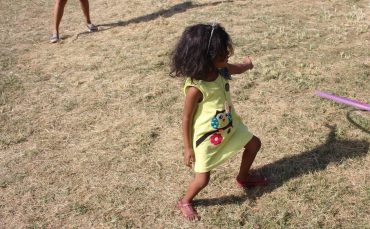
<point x="197" y="48"/>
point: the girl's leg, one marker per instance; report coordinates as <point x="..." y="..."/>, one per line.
<point x="86" y="10"/>
<point x="250" y="152"/>
<point x="58" y="14"/>
<point x="200" y="181"/>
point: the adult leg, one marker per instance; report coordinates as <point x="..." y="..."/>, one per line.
<point x="249" y="154"/>
<point x="58" y="14"/>
<point x="86" y="10"/>
<point x="199" y="182"/>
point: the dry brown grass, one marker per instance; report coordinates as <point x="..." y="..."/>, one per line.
<point x="90" y="128"/>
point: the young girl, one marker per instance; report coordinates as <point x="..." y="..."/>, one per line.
<point x="212" y="130"/>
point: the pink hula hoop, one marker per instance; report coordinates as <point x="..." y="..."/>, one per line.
<point x="344" y="100"/>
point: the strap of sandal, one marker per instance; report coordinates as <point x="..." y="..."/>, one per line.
<point x="185" y="205"/>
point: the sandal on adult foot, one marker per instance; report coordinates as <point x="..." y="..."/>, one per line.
<point x="187" y="211"/>
<point x="54" y="38"/>
<point x="92" y="28"/>
<point x="253" y="180"/>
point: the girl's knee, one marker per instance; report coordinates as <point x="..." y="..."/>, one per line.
<point x="254" y="144"/>
<point x="203" y="179"/>
<point x="258" y="142"/>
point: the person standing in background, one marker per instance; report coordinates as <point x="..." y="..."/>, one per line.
<point x="58" y="14"/>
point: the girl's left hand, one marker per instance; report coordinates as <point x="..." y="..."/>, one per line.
<point x="248" y="62"/>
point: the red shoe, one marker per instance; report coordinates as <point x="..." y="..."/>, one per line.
<point x="253" y="180"/>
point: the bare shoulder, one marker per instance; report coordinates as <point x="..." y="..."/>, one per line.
<point x="194" y="94"/>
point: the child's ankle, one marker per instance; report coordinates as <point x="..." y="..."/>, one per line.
<point x="242" y="177"/>
<point x="185" y="201"/>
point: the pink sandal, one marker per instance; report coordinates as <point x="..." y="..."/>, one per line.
<point x="187" y="211"/>
<point x="253" y="180"/>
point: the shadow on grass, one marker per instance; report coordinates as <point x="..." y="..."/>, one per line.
<point x="179" y="8"/>
<point x="332" y="151"/>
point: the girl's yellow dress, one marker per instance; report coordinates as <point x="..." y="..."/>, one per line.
<point x="217" y="130"/>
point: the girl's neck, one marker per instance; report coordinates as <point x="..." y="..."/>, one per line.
<point x="211" y="76"/>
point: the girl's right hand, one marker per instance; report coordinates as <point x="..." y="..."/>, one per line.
<point x="189" y="157"/>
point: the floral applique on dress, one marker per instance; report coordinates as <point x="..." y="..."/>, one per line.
<point x="222" y="121"/>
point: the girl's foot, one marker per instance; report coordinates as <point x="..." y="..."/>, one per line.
<point x="252" y="181"/>
<point x="187" y="211"/>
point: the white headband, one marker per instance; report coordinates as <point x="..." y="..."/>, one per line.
<point x="210" y="37"/>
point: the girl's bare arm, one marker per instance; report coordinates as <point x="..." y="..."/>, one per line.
<point x="240" y="68"/>
<point x="193" y="96"/>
